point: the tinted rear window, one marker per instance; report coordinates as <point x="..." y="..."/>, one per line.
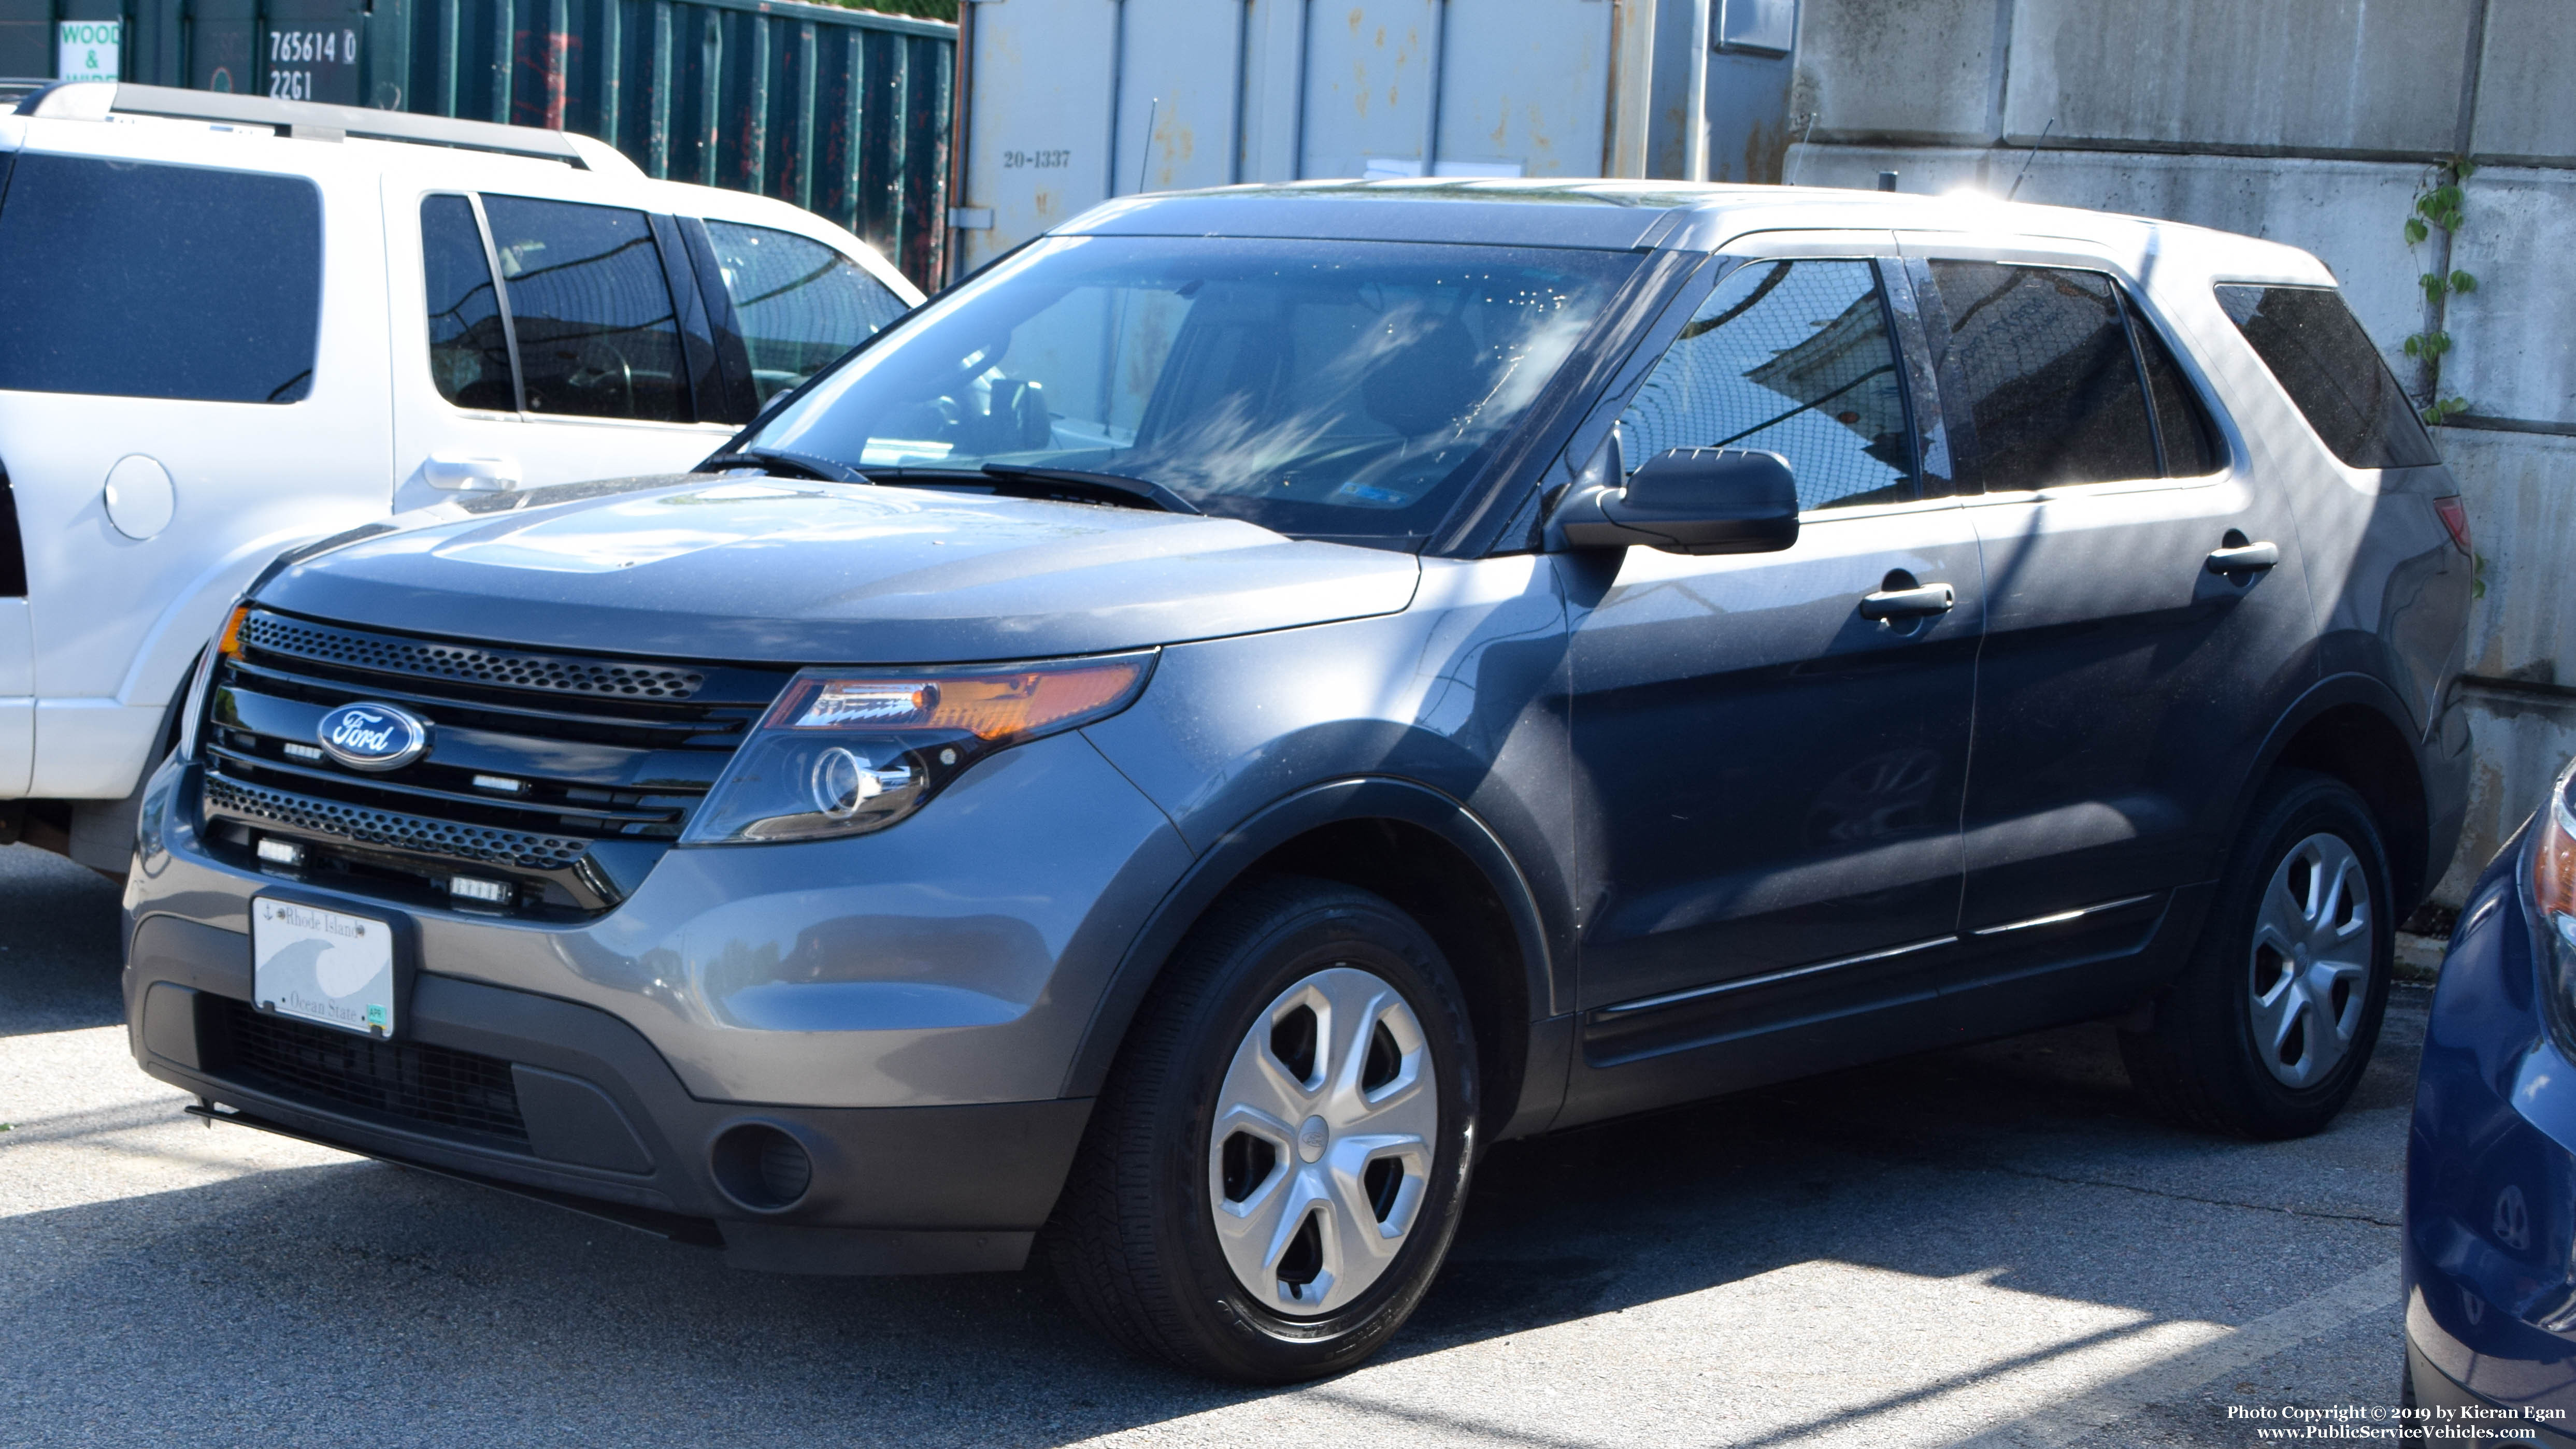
<point x="2325" y="362"/>
<point x="2040" y="356"/>
<point x="129" y="280"/>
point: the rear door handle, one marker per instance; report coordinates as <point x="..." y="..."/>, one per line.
<point x="2244" y="558"/>
<point x="1908" y="603"/>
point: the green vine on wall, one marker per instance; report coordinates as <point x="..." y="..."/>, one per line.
<point x="2439" y="207"/>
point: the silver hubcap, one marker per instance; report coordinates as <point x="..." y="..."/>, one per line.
<point x="2311" y="960"/>
<point x="1323" y="1141"/>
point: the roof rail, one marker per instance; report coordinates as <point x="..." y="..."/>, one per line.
<point x="95" y="100"/>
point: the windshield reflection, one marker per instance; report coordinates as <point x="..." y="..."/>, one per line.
<point x="1323" y="389"/>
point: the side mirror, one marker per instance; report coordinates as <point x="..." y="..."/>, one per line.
<point x="1689" y="500"/>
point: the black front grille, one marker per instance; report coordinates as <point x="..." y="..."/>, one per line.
<point x="558" y="779"/>
<point x="308" y="815"/>
<point x="431" y="1088"/>
<point x="471" y="664"/>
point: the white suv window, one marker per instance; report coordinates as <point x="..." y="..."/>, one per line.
<point x="101" y="293"/>
<point x="798" y="303"/>
<point x="469" y="349"/>
<point x="591" y="309"/>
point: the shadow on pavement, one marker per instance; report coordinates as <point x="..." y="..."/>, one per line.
<point x="322" y="1303"/>
<point x="59" y="949"/>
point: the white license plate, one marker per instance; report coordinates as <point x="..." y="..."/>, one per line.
<point x="322" y="966"/>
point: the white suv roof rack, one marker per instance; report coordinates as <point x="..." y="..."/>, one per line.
<point x="313" y="120"/>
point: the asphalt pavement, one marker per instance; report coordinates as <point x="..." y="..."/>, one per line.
<point x="1991" y="1246"/>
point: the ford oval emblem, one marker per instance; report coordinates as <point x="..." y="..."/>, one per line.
<point x="373" y="736"/>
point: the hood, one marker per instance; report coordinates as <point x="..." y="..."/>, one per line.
<point x="760" y="570"/>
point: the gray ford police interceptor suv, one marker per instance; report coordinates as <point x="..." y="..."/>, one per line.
<point x="1171" y="748"/>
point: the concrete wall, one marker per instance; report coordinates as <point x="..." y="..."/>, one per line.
<point x="2312" y="123"/>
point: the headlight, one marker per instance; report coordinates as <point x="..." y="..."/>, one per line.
<point x="2550" y="896"/>
<point x="2553" y="867"/>
<point x="845" y="751"/>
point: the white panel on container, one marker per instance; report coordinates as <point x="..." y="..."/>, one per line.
<point x="1176" y="83"/>
<point x="1206" y="92"/>
<point x="1368" y="85"/>
<point x="1038" y="143"/>
<point x="1524" y="83"/>
<point x="1765" y="27"/>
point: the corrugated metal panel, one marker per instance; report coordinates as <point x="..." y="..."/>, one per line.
<point x="842" y="112"/>
<point x="1075" y="101"/>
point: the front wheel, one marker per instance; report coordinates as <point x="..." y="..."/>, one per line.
<point x="2271" y="1025"/>
<point x="1276" y="1169"/>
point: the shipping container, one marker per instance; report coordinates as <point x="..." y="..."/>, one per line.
<point x="1071" y="102"/>
<point x="843" y="112"/>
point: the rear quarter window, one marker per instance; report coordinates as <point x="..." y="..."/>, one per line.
<point x="124" y="279"/>
<point x="2318" y="352"/>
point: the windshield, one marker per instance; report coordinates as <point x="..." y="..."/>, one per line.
<point x="1322" y="389"/>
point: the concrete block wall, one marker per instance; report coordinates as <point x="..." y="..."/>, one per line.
<point x="2315" y="124"/>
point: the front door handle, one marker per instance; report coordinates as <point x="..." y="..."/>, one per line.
<point x="1908" y="603"/>
<point x="2244" y="558"/>
<point x="470" y="475"/>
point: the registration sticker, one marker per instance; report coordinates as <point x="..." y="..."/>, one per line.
<point x="323" y="966"/>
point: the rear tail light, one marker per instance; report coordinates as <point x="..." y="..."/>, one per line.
<point x="2455" y="517"/>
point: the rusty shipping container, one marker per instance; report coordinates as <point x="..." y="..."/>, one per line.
<point x="1071" y="102"/>
<point x="843" y="112"/>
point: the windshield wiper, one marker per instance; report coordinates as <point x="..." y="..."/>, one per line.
<point x="1106" y="487"/>
<point x="1021" y="481"/>
<point x="792" y="465"/>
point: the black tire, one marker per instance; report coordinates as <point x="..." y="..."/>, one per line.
<point x="1134" y="1242"/>
<point x="2203" y="1063"/>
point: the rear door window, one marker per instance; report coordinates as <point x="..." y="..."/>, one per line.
<point x="596" y="331"/>
<point x="2316" y="349"/>
<point x="2039" y="359"/>
<point x="123" y="279"/>
<point x="469" y="345"/>
<point x="797" y="303"/>
<point x="1792" y="357"/>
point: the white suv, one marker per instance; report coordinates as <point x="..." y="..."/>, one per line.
<point x="230" y="324"/>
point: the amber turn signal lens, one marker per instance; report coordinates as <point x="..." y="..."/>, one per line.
<point x="993" y="707"/>
<point x="228" y="644"/>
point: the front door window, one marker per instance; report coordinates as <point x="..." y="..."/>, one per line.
<point x="1791" y="357"/>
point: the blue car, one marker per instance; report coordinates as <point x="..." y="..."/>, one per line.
<point x="2491" y="1163"/>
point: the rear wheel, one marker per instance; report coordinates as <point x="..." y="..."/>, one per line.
<point x="1274" y="1173"/>
<point x="2271" y="1025"/>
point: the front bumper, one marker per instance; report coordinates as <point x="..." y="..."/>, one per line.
<point x="905" y="1006"/>
<point x="602" y="1124"/>
<point x="2489" y="1247"/>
